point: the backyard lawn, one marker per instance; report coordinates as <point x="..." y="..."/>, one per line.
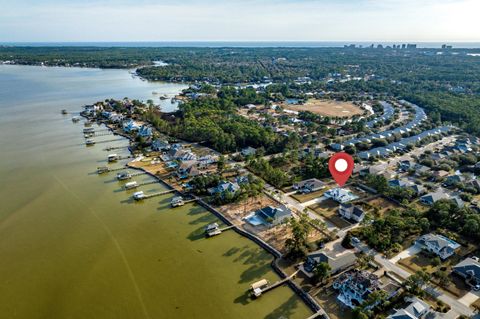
<point x="329" y="210"/>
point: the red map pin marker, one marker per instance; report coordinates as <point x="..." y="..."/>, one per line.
<point x="341" y="167"/>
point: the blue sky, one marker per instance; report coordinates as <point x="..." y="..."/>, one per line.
<point x="235" y="20"/>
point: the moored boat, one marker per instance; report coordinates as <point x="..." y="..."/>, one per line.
<point x="124" y="176"/>
<point x="88" y="130"/>
<point x="131" y="185"/>
<point x="177" y="201"/>
<point x="113" y="158"/>
<point x="139" y="195"/>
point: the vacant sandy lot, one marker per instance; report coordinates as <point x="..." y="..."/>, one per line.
<point x="328" y="108"/>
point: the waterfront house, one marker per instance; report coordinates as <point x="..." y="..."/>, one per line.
<point x="351" y="212"/>
<point x="337" y="260"/>
<point x="274" y="215"/>
<point x="309" y="185"/>
<point x="145" y="131"/>
<point x="187" y="169"/>
<point x="131" y="126"/>
<point x="355" y="286"/>
<point x="415" y="309"/>
<point x="224" y="187"/>
<point x="439" y="245"/>
<point x="159" y="145"/>
<point x="469" y="269"/>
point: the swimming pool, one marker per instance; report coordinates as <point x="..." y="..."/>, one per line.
<point x="254" y="220"/>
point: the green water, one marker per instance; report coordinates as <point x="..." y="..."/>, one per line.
<point x="72" y="243"/>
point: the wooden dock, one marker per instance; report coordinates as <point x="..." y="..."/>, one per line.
<point x="147" y="183"/>
<point x="111" y="148"/>
<point x="278" y="283"/>
<point x="138" y="174"/>
<point x="101" y="134"/>
<point x="159" y="193"/>
<point x="110" y="141"/>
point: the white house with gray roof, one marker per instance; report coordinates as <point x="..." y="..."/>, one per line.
<point x="416" y="309"/>
<point x="469" y="269"/>
<point x="309" y="185"/>
<point x="440" y="245"/>
<point x="337" y="260"/>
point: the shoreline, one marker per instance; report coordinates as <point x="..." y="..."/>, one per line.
<point x="309" y="301"/>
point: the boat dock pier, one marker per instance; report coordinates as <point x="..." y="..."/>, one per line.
<point x="134" y="184"/>
<point x="141" y="195"/>
<point x="115" y="157"/>
<point x="111" y="148"/>
<point x="110" y="141"/>
<point x="259" y="289"/>
<point x="101" y="134"/>
<point x="138" y="174"/>
<point x="213" y="229"/>
<point x="105" y="169"/>
<point x="160" y="193"/>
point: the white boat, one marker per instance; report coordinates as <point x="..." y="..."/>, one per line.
<point x="177" y="201"/>
<point x="131" y="185"/>
<point x="89" y="130"/>
<point x="138" y="195"/>
<point x="90" y="142"/>
<point x="113" y="158"/>
<point x="124" y="176"/>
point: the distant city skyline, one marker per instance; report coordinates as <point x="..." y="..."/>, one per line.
<point x="376" y="21"/>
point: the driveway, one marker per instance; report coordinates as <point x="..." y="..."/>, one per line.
<point x="409" y="252"/>
<point x="314" y="201"/>
<point x="469" y="298"/>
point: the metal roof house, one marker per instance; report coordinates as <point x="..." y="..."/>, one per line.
<point x="351" y="212"/>
<point x="340" y="195"/>
<point x="309" y="185"/>
<point x="469" y="269"/>
<point x="224" y="187"/>
<point x="274" y="215"/>
<point x="416" y="309"/>
<point x="337" y="261"/>
<point x="159" y="145"/>
<point x="440" y="245"/>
